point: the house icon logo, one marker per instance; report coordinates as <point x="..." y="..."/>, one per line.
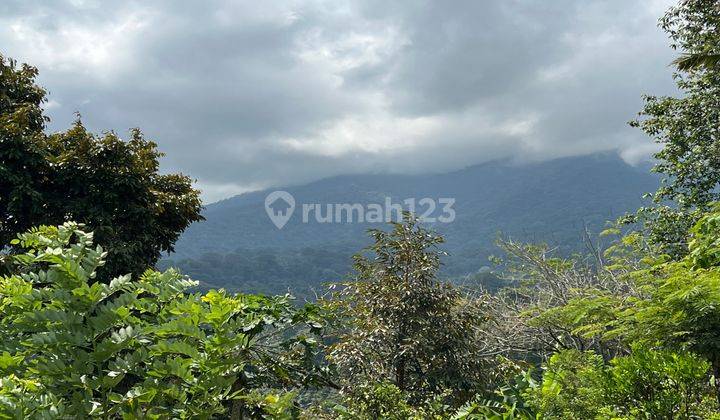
<point x="279" y="206"/>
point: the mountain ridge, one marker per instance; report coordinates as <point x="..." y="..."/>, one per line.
<point x="552" y="201"/>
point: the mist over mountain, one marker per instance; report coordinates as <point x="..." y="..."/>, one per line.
<point x="239" y="248"/>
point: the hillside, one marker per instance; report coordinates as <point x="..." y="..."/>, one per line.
<point x="239" y="248"/>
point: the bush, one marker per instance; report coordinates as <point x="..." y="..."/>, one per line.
<point x="385" y="400"/>
<point x="74" y="346"/>
<point x="658" y="384"/>
<point x="645" y="384"/>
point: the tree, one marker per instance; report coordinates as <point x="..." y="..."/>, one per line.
<point x="688" y="127"/>
<point x="75" y="347"/>
<point x="537" y="314"/>
<point x="405" y="327"/>
<point x="22" y="164"/>
<point x="109" y="184"/>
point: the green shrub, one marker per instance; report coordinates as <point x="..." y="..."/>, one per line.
<point x="570" y="386"/>
<point x="74" y="346"/>
<point x="378" y="401"/>
<point x="645" y="384"/>
<point x="657" y="384"/>
<point x="507" y="403"/>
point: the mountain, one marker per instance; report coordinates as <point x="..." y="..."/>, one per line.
<point x="238" y="247"/>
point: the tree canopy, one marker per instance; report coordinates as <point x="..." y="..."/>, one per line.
<point x="112" y="185"/>
<point x="687" y="127"/>
<point x="393" y="307"/>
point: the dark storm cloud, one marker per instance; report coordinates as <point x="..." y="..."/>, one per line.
<point x="247" y="95"/>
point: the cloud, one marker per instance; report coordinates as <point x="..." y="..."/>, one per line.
<point x="245" y="95"/>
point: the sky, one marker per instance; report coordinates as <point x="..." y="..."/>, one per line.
<point x="244" y="95"/>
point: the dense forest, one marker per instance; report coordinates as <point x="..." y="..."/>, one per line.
<point x="90" y="328"/>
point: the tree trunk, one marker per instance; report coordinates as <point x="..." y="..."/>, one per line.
<point x="237" y="409"/>
<point x="716" y="375"/>
<point x="236" y="413"/>
<point x="400" y="374"/>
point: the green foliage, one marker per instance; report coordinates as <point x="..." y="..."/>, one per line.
<point x="111" y="185"/>
<point x="508" y="403"/>
<point x="657" y="384"/>
<point x="645" y="384"/>
<point x="666" y="317"/>
<point x="704" y="60"/>
<point x="677" y="301"/>
<point x="377" y="401"/>
<point x="569" y="389"/>
<point x="705" y="241"/>
<point x="664" y="227"/>
<point x="659" y="316"/>
<point x="404" y="326"/>
<point x="74" y="346"/>
<point x="22" y="166"/>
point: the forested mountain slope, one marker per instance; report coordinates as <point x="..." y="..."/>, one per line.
<point x="238" y="247"/>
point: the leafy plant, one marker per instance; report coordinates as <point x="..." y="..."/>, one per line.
<point x="647" y="383"/>
<point x="377" y="401"/>
<point x="76" y="346"/>
<point x="508" y="402"/>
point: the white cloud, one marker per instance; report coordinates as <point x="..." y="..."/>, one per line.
<point x="99" y="51"/>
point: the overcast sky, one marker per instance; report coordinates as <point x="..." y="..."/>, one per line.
<point x="244" y="95"/>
